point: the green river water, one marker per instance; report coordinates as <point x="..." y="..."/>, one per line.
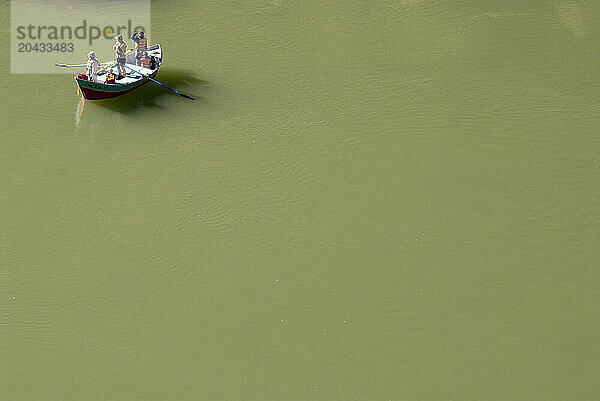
<point x="384" y="200"/>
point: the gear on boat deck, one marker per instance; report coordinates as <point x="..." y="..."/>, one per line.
<point x="140" y="72"/>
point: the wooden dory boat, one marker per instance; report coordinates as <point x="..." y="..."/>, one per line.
<point x="136" y="77"/>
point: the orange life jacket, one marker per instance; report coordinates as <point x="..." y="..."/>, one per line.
<point x="142" y="42"/>
<point x="146" y="62"/>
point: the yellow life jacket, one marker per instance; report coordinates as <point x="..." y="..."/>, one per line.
<point x="142" y="42"/>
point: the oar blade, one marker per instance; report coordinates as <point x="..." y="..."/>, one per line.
<point x="186" y="96"/>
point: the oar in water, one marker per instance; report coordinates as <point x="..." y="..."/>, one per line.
<point x="161" y="84"/>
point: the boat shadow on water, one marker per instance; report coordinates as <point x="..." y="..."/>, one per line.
<point x="145" y="97"/>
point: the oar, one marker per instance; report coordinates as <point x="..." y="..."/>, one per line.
<point x="161" y="84"/>
<point x="75" y="65"/>
<point x="108" y="65"/>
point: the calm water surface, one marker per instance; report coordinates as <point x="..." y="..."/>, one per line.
<point x="383" y="200"/>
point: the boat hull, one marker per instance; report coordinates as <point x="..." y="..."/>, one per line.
<point x="97" y="91"/>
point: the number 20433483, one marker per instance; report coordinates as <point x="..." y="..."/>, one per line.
<point x="44" y="47"/>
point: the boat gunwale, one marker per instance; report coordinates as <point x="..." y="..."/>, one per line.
<point x="115" y="85"/>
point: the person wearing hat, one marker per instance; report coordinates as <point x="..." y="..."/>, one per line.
<point x="141" y="45"/>
<point x="120" y="49"/>
<point x="92" y="67"/>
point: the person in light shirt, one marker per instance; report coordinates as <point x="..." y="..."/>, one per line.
<point x="120" y="50"/>
<point x="92" y="67"/>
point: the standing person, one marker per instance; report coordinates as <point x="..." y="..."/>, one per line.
<point x="141" y="45"/>
<point x="120" y="49"/>
<point x="92" y="67"/>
